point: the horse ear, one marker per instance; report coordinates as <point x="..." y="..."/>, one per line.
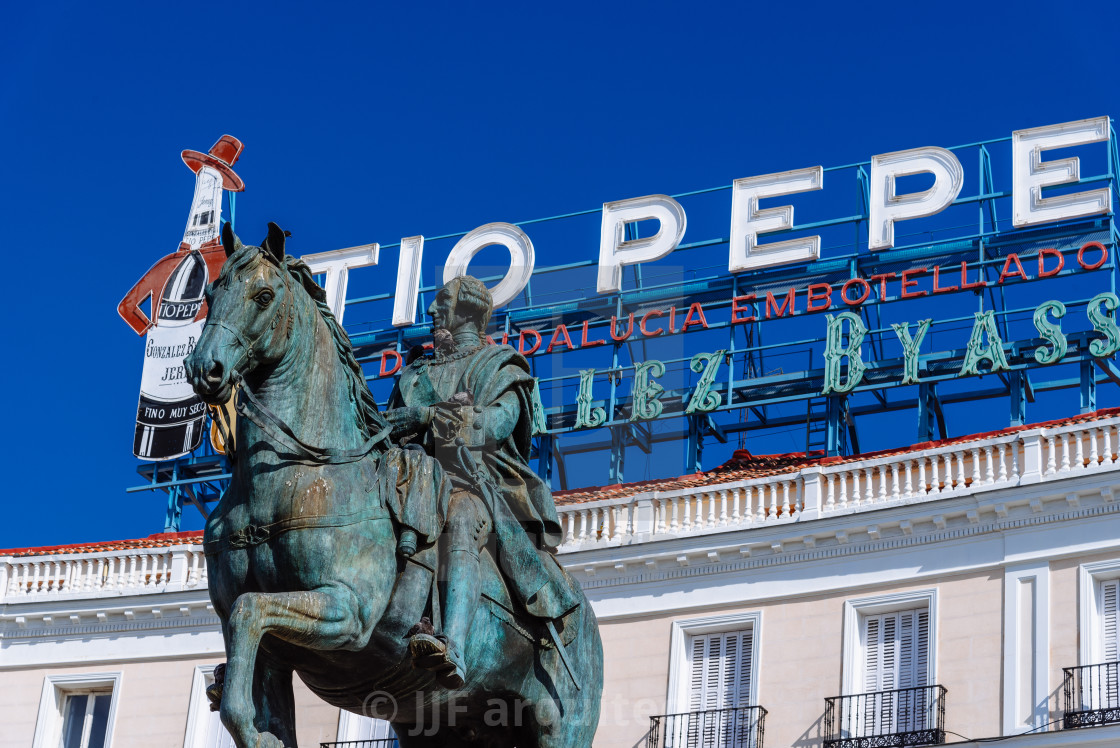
<point x="274" y="242"/>
<point x="230" y="240"/>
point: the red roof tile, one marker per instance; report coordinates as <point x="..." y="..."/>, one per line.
<point x="158" y="540"/>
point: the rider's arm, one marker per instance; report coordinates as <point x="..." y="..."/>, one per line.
<point x="498" y="420"/>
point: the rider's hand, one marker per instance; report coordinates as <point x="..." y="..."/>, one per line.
<point x="406" y="421"/>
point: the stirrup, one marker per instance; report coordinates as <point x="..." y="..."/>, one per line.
<point x="440" y="656"/>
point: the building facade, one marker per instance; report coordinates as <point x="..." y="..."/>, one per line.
<point x="946" y="592"/>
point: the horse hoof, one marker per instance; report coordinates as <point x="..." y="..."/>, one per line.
<point x="268" y="740"/>
<point x="430" y="653"/>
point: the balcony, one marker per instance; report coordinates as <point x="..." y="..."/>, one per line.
<point x="1091" y="695"/>
<point x="886" y="719"/>
<point x="741" y="727"/>
<point x="371" y="743"/>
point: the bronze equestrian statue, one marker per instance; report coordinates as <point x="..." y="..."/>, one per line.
<point x="403" y="564"/>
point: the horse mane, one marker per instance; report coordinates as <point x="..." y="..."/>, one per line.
<point x="370" y="420"/>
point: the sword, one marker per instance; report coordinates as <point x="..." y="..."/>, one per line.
<point x="474" y="471"/>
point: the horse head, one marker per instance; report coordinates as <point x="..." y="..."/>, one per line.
<point x="252" y="306"/>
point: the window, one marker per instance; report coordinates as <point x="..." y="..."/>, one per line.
<point x="86" y="719"/>
<point x="374" y="733"/>
<point x="1100" y="612"/>
<point x="713" y="683"/>
<point x="77" y="711"/>
<point x="896" y="650"/>
<point x="888" y="668"/>
<point x="204" y="727"/>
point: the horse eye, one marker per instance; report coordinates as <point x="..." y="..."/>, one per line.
<point x="264" y="298"/>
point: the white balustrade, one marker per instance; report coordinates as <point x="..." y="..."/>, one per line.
<point x="103" y="573"/>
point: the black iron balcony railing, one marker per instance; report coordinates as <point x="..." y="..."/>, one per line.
<point x="740" y="727"/>
<point x="886" y="719"/>
<point x="1091" y="695"/>
<point x="372" y="743"/>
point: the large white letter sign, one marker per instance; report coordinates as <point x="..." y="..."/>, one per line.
<point x="615" y="251"/>
<point x="1030" y="174"/>
<point x="408" y="281"/>
<point x="336" y="264"/>
<point x="521" y="258"/>
<point x="888" y="207"/>
<point x="747" y="221"/>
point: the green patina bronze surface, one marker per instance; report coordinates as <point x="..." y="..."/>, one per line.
<point x="401" y="563"/>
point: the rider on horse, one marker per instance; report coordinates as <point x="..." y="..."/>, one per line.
<point x="479" y="396"/>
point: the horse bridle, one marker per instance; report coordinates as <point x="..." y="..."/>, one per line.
<point x="265" y="419"/>
<point x="248" y="347"/>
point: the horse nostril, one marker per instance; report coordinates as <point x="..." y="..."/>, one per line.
<point x="214" y="372"/>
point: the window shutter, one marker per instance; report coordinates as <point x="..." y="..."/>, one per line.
<point x="696" y="681"/>
<point x="721" y="670"/>
<point x="896" y="650"/>
<point x="1110" y="620"/>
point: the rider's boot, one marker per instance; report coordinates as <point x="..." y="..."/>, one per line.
<point x="462" y="592"/>
<point x="441" y="653"/>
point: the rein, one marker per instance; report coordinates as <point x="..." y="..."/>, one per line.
<point x="274" y="426"/>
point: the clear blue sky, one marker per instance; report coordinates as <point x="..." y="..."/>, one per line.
<point x="369" y="122"/>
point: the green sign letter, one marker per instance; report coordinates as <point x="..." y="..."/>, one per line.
<point x="586" y="416"/>
<point x="646" y="404"/>
<point x="910" y="348"/>
<point x="835" y="351"/>
<point x="704" y="399"/>
<point x="1103" y="322"/>
<point x="977" y="351"/>
<point x="1050" y="331"/>
<point x="540" y="424"/>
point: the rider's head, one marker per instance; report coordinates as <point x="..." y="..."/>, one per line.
<point x="462" y="301"/>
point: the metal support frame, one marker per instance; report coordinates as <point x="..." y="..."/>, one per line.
<point x="1018" y="397"/>
<point x="1088" y="387"/>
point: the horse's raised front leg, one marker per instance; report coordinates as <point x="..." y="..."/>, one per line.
<point x="326" y="618"/>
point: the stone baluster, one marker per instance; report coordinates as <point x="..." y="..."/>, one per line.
<point x="674" y="522"/>
<point x="723" y="507"/>
<point x="699" y="499"/>
<point x="908" y="489"/>
<point x="989" y="466"/>
<point x="1106" y="443"/>
<point x="761" y="489"/>
<point x="774" y="512"/>
<point x="869" y="488"/>
<point x="13" y="580"/>
<point x="736" y="513"/>
<point x="1051" y="455"/>
<point x="787" y="511"/>
<point x="193" y="577"/>
<point x="882" y="483"/>
<point x="1065" y="453"/>
<point x="1094" y="458"/>
<point x="1080" y="450"/>
<point x="842" y="478"/>
<point x="895" y="489"/>
<point x="923" y="487"/>
<point x="857" y="493"/>
<point x="1002" y="447"/>
<point x="935" y="476"/>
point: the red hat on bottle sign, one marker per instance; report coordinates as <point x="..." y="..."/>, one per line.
<point x="222" y="156"/>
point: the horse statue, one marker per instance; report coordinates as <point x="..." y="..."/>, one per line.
<point x="303" y="548"/>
